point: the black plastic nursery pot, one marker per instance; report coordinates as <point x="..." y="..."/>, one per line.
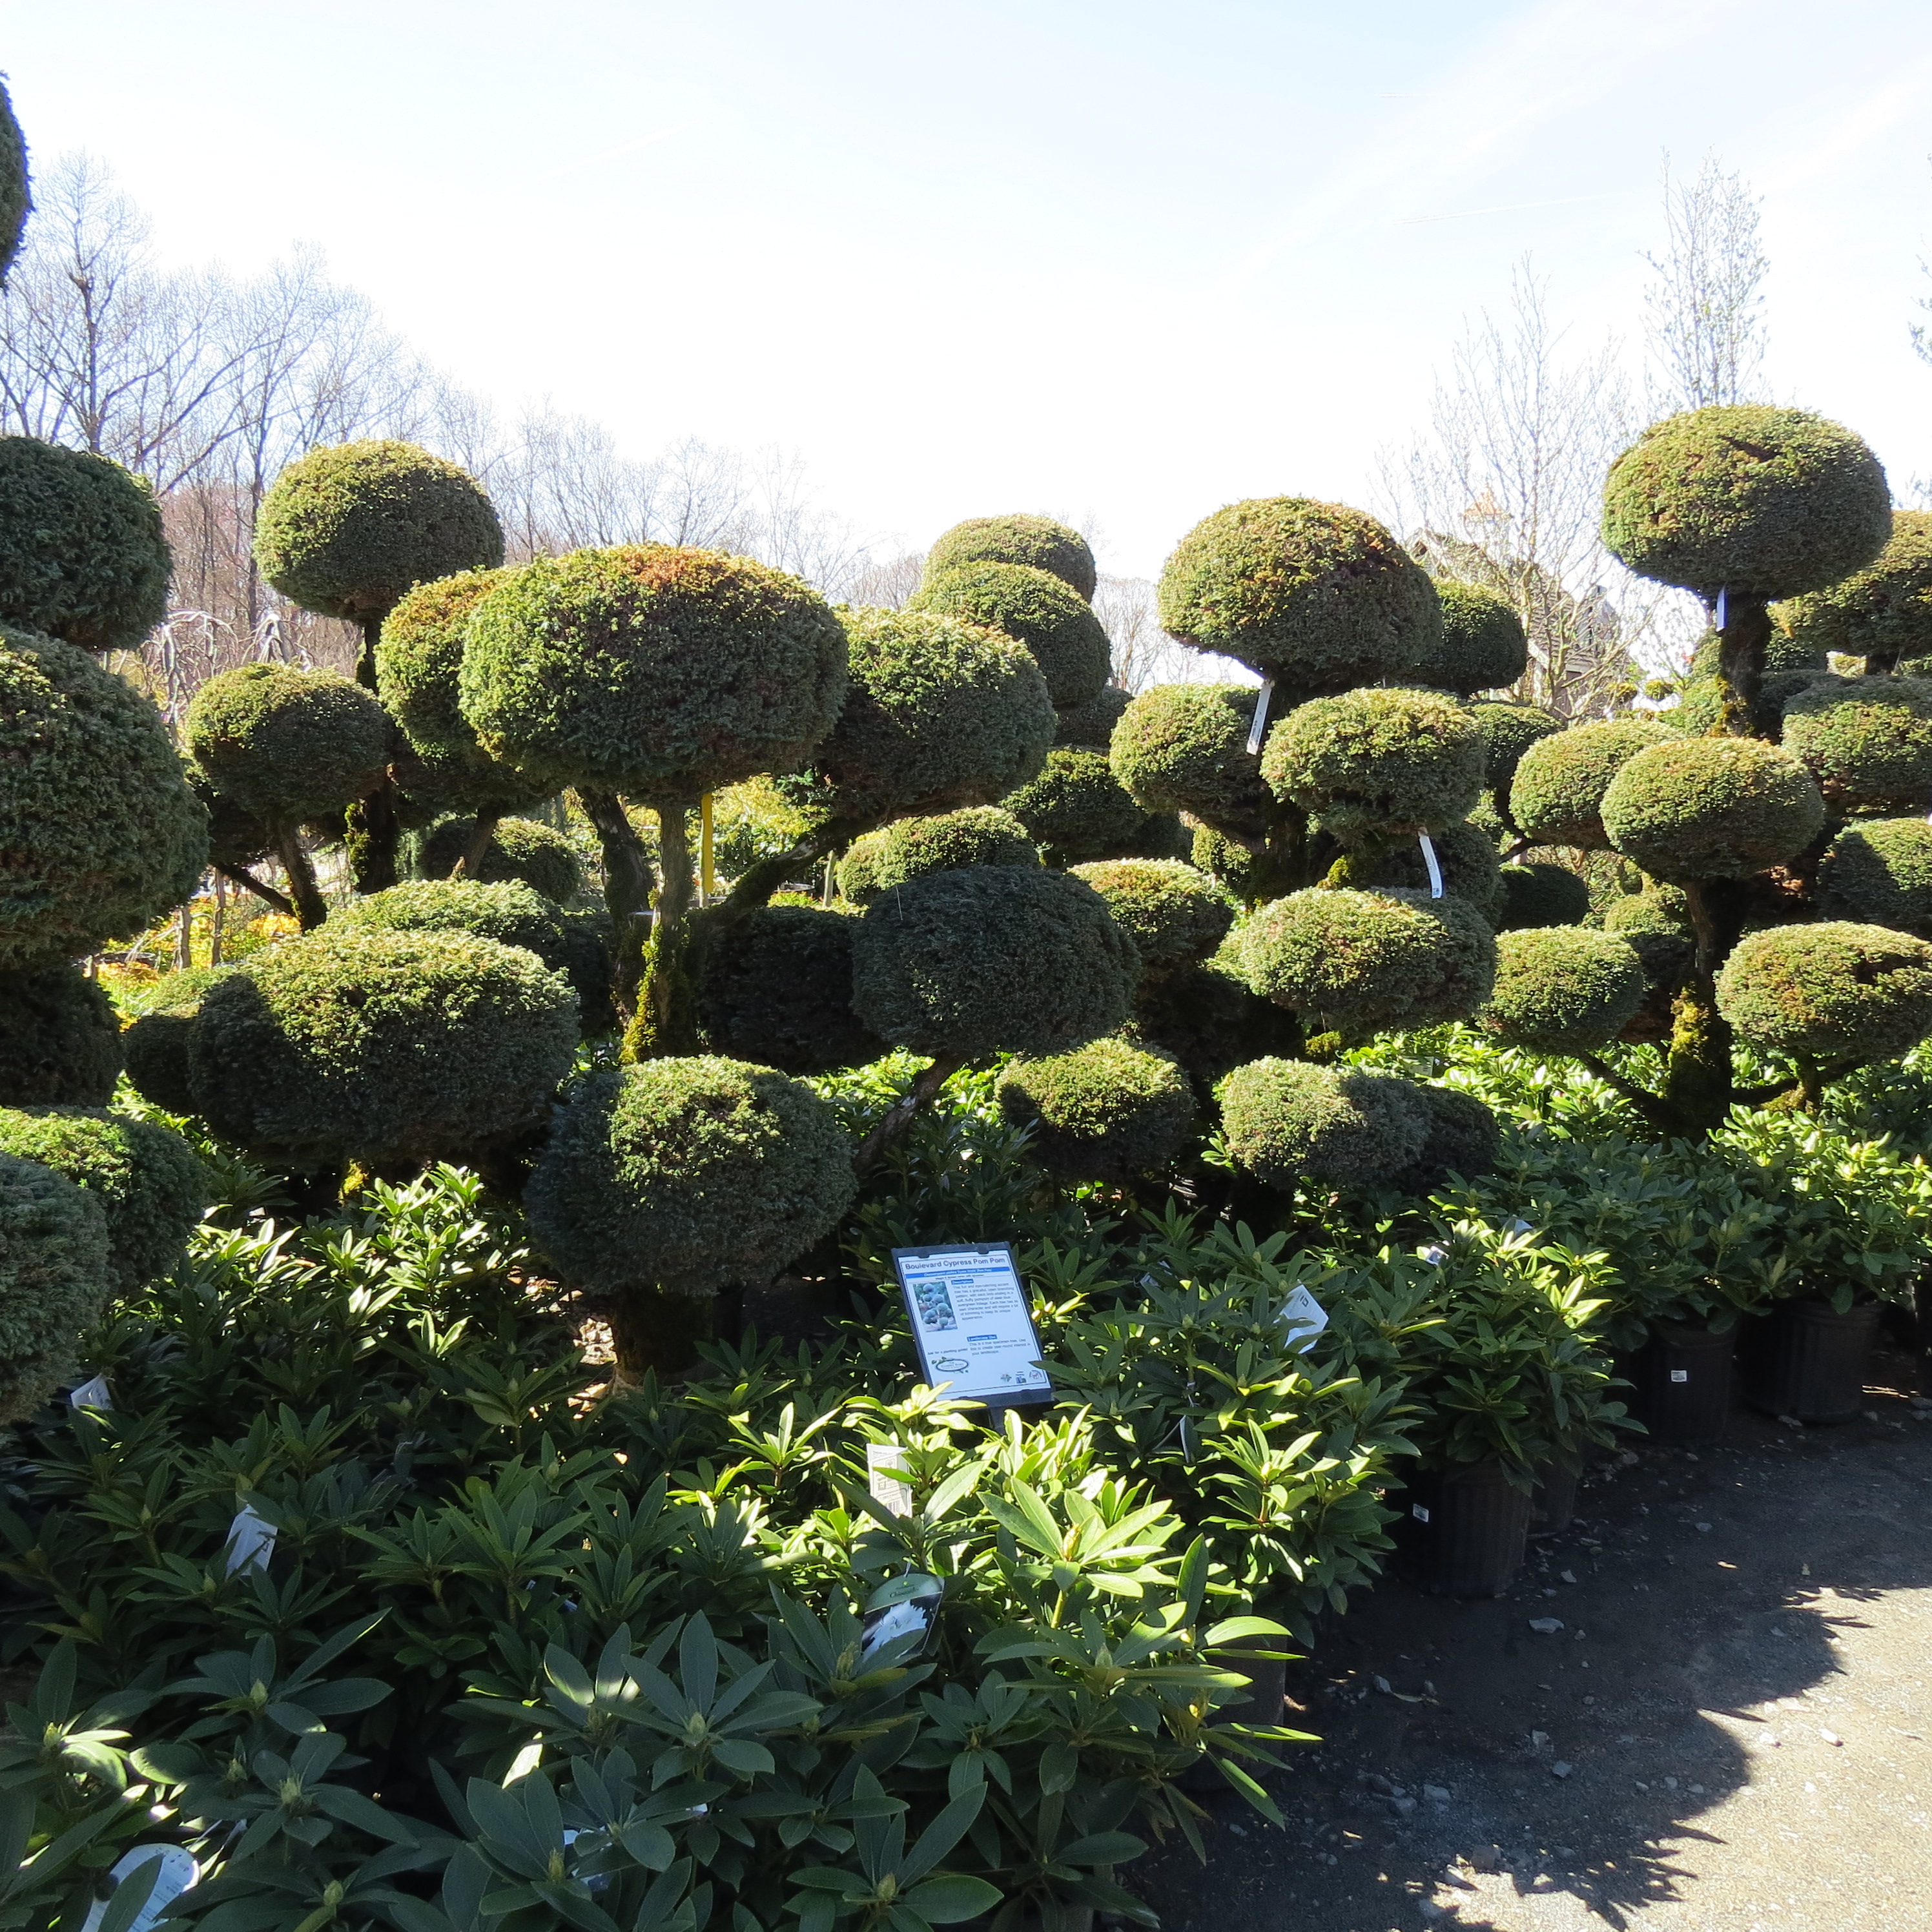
<point x="1467" y="1530"/>
<point x="1810" y="1361"/>
<point x="1683" y="1379"/>
<point x="1552" y="1503"/>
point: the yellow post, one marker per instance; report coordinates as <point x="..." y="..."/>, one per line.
<point x="707" y="878"/>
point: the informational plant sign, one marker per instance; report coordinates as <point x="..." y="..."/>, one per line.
<point x="972" y="1324"/>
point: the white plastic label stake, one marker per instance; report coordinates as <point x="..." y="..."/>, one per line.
<point x="1257" y="731"/>
<point x="92" y="1394"/>
<point x="1428" y="859"/>
<point x="1680" y="1374"/>
<point x="1302" y="1318"/>
<point x="177" y="1871"/>
<point x="1433" y="1254"/>
<point x="251" y="1541"/>
<point x="885" y="1477"/>
<point x="1723" y="607"/>
<point x="1421" y="1514"/>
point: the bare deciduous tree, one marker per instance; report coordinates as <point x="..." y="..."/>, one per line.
<point x="1704" y="304"/>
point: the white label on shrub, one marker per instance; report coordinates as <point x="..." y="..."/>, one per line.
<point x="92" y="1393"/>
<point x="177" y="1871"/>
<point x="972" y="1324"/>
<point x="1433" y="1254"/>
<point x="1680" y="1374"/>
<point x="251" y="1541"/>
<point x="1428" y="859"/>
<point x="1302" y="1318"/>
<point x="1258" y="730"/>
<point x="1421" y="1514"/>
<point x="885" y="1477"/>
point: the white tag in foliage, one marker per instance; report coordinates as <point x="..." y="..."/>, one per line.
<point x="1680" y="1374"/>
<point x="1435" y="1255"/>
<point x="92" y="1394"/>
<point x="1724" y="607"/>
<point x="177" y="1871"/>
<point x="251" y="1541"/>
<point x="1257" y="731"/>
<point x="885" y="1477"/>
<point x="1429" y="859"/>
<point x="1302" y="1318"/>
<point x="1421" y="1514"/>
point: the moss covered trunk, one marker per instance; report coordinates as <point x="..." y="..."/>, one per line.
<point x="664" y="1024"/>
<point x="310" y="907"/>
<point x="374" y="830"/>
<point x="654" y="1332"/>
<point x="1740" y="648"/>
<point x="627" y="893"/>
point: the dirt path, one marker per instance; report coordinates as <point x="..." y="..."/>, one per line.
<point x="1731" y="1732"/>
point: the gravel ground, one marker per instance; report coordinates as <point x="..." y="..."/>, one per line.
<point x="1731" y="1733"/>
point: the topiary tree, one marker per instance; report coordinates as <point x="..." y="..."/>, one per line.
<point x="781" y="994"/>
<point x="1563" y="989"/>
<point x="1878" y="872"/>
<point x="1075" y="811"/>
<point x="1464" y="1138"/>
<point x="1036" y="609"/>
<point x="60" y="1038"/>
<point x="54" y="1280"/>
<point x="1556" y="795"/>
<point x="664" y="1182"/>
<point x="1508" y="731"/>
<point x="1466" y="859"/>
<point x="1539" y="894"/>
<point x="1882" y="613"/>
<point x="1710" y="808"/>
<point x="1174" y="913"/>
<point x="99" y="832"/>
<point x="1090" y="726"/>
<point x="156" y="1045"/>
<point x="1483" y="645"/>
<point x="510" y="912"/>
<point x="913" y="848"/>
<point x="1286" y="1120"/>
<point x="287" y="745"/>
<point x="152" y="1185"/>
<point x="81" y="554"/>
<point x="16" y="200"/>
<point x="1868" y="743"/>
<point x="1108" y="1111"/>
<point x="1038" y="542"/>
<point x="525" y="850"/>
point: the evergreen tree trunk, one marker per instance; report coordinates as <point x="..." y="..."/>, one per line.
<point x="665" y="1022"/>
<point x="468" y="865"/>
<point x="654" y="1331"/>
<point x="310" y="907"/>
<point x="374" y="831"/>
<point x="627" y="892"/>
<point x="1741" y="660"/>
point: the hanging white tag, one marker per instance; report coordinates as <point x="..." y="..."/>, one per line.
<point x="177" y="1871"/>
<point x="1680" y="1374"/>
<point x="1421" y="1514"/>
<point x="92" y="1394"/>
<point x="907" y="1606"/>
<point x="1428" y="859"/>
<point x="885" y="1477"/>
<point x="1302" y="1318"/>
<point x="1433" y="1254"/>
<point x="251" y="1541"/>
<point x="1257" y="731"/>
<point x="1723" y="606"/>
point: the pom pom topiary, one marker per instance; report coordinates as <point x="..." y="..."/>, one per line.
<point x="509" y="912"/>
<point x="391" y="1048"/>
<point x="658" y="673"/>
<point x="1090" y="726"/>
<point x="1878" y="872"/>
<point x="81" y="554"/>
<point x="1762" y="502"/>
<point x="1483" y="646"/>
<point x="779" y="992"/>
<point x="1882" y="613"/>
<point x="1036" y="609"/>
<point x="1563" y="989"/>
<point x="1658" y="930"/>
<point x="992" y="958"/>
<point x="1358" y="961"/>
<point x="1287" y="1121"/>
<point x="1378" y="763"/>
<point x="538" y="855"/>
<point x="1465" y="856"/>
<point x="1038" y="542"/>
<point x="151" y="1184"/>
<point x="1105" y="1111"/>
<point x="691" y="1174"/>
<point x="99" y="832"/>
<point x="237" y="837"/>
<point x="285" y="744"/>
<point x="1508" y="731"/>
<point x="1184" y="748"/>
<point x="587" y="965"/>
<point x="1540" y="895"/>
<point x="54" y="1279"/>
<point x="1076" y="811"/>
<point x="16" y="199"/>
<point x="1175" y="914"/>
<point x="60" y="1038"/>
<point x="1463" y="1140"/>
<point x="1712" y="808"/>
<point x="1316" y="595"/>
<point x="1556" y="796"/>
<point x="1868" y="741"/>
<point x="156" y="1045"/>
<point x="1210" y="1019"/>
<point x="346" y="531"/>
<point x="1832" y="992"/>
<point x="913" y="848"/>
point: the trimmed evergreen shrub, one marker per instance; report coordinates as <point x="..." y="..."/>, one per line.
<point x="914" y="848"/>
<point x="587" y="966"/>
<point x="1037" y="542"/>
<point x="779" y="993"/>
<point x="1036" y="609"/>
<point x="1883" y="611"/>
<point x="1175" y="914"/>
<point x="658" y="673"/>
<point x="54" y="1280"/>
<point x="1712" y="808"/>
<point x="985" y="959"/>
<point x="509" y="912"/>
<point x="1107" y="1111"/>
<point x="1878" y="872"/>
<point x="1868" y="741"/>
<point x="1076" y="811"/>
<point x="1210" y="1020"/>
<point x="151" y="1184"/>
<point x="156" y="1045"/>
<point x="1317" y="595"/>
<point x="60" y="1038"/>
<point x="524" y="849"/>
<point x="1288" y="1121"/>
<point x="1834" y="991"/>
<point x="346" y="531"/>
<point x="99" y="832"/>
<point x="1556" y="797"/>
<point x="236" y="836"/>
<point x="691" y="1175"/>
<point x="288" y="744"/>
<point x="81" y="554"/>
<point x="1183" y="748"/>
<point x="1508" y="731"/>
<point x="15" y="197"/>
<point x="1464" y="1140"/>
<point x="1539" y="894"/>
<point x="1742" y="496"/>
<point x="1484" y="644"/>
<point x="1657" y="929"/>
<point x="1563" y="988"/>
<point x="1090" y="726"/>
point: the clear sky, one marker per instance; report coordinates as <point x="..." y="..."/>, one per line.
<point x="1116" y="261"/>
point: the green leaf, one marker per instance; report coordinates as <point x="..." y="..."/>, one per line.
<point x="948" y="1899"/>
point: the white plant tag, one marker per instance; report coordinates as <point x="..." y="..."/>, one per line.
<point x="1723" y="606"/>
<point x="907" y="1606"/>
<point x="251" y="1541"/>
<point x="1429" y="859"/>
<point x="1302" y="1318"/>
<point x="1421" y="1514"/>
<point x="92" y="1394"/>
<point x="885" y="1477"/>
<point x="1518" y="1226"/>
<point x="1680" y="1374"/>
<point x="1257" y="731"/>
<point x="177" y="1871"/>
<point x="1434" y="1254"/>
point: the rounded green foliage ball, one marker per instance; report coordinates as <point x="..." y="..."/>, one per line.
<point x="237" y="837"/>
<point x="1883" y="611"/>
<point x="1465" y="856"/>
<point x="1037" y="542"/>
<point x="1508" y="731"/>
<point x="100" y="833"/>
<point x="82" y="557"/>
<point x="1175" y="914"/>
<point x="156" y="1045"/>
<point x="1317" y="595"/>
<point x="857" y="876"/>
<point x="1658" y="929"/>
<point x="1358" y="960"/>
<point x="15" y="197"/>
<point x="1184" y="748"/>
<point x="778" y="991"/>
<point x="509" y="912"/>
<point x="1034" y="608"/>
<point x="992" y="959"/>
<point x="1463" y="1142"/>
<point x="151" y="1184"/>
<point x="538" y="855"/>
<point x="1483" y="646"/>
<point x="1105" y="1111"/>
<point x="1866" y="741"/>
<point x="60" y="1038"/>
<point x="1712" y="808"/>
<point x="1287" y="1121"/>
<point x="1090" y="726"/>
<point x="346" y="531"/>
<point x="1563" y="988"/>
<point x="1378" y="763"/>
<point x="1878" y="872"/>
<point x="588" y="966"/>
<point x="1556" y="797"/>
<point x="658" y="673"/>
<point x="287" y="744"/>
<point x="914" y="848"/>
<point x="1834" y="992"/>
<point x="1076" y="810"/>
<point x="1539" y="895"/>
<point x="691" y="1175"/>
<point x="387" y="1048"/>
<point x="1741" y="497"/>
<point x="1210" y="1019"/>
<point x="55" y="1279"/>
